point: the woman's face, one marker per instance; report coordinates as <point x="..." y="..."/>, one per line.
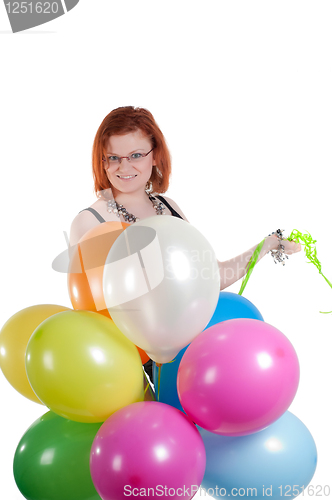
<point x="129" y="176"/>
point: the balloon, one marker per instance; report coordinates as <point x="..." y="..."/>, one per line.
<point x="52" y="460"/>
<point x="87" y="259"/>
<point x="165" y="383"/>
<point x="161" y="284"/>
<point x="14" y="337"/>
<point x="277" y="462"/>
<point x="147" y="445"/>
<point x="144" y="357"/>
<point x="85" y="277"/>
<point x="238" y="376"/>
<point x="230" y="306"/>
<point x="82" y="367"/>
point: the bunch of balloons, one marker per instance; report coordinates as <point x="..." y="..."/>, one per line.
<point x="236" y="381"/>
<point x="152" y="290"/>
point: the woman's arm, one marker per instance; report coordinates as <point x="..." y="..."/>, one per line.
<point x="234" y="269"/>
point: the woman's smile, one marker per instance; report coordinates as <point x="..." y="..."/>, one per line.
<point x="126" y="177"/>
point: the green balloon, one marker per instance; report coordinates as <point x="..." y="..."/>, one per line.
<point x="51" y="461"/>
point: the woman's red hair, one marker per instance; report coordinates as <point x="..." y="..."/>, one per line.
<point x="123" y="121"/>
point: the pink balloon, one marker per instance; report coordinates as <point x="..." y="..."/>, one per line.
<point x="147" y="445"/>
<point x="238" y="377"/>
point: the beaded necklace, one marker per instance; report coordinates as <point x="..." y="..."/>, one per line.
<point x="114" y="207"/>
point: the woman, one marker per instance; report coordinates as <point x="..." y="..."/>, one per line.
<point x="130" y="161"/>
<point x="131" y="165"/>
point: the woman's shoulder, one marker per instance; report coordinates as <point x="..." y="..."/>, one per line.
<point x="87" y="219"/>
<point x="175" y="206"/>
<point x="81" y="224"/>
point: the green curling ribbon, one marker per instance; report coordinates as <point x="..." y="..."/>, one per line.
<point x="251" y="265"/>
<point x="148" y="386"/>
<point x="309" y="249"/>
<point x="310" y="252"/>
<point x="159" y="373"/>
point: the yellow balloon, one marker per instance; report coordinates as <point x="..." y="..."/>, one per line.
<point x="82" y="367"/>
<point x="14" y="337"/>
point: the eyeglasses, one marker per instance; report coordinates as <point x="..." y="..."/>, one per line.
<point x="134" y="158"/>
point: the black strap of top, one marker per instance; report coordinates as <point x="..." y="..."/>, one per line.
<point x="95" y="213"/>
<point x="174" y="212"/>
<point x="161" y="198"/>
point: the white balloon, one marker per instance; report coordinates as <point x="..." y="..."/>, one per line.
<point x="161" y="284"/>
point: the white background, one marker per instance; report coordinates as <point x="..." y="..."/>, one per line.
<point x="242" y="92"/>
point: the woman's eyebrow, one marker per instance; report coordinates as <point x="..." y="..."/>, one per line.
<point x="131" y="152"/>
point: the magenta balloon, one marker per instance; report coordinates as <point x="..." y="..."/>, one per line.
<point x="147" y="445"/>
<point x="238" y="377"/>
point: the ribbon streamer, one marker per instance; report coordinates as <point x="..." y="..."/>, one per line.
<point x="310" y="251"/>
<point x="251" y="265"/>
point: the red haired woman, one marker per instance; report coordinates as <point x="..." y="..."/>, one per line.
<point x="131" y="167"/>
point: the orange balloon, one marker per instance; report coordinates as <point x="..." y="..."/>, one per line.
<point x="144" y="356"/>
<point x="85" y="277"/>
<point x="87" y="259"/>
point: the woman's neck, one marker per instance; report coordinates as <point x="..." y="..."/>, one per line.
<point x="132" y="199"/>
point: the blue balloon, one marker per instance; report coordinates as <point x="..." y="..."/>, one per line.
<point x="168" y="374"/>
<point x="277" y="462"/>
<point x="230" y="306"/>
